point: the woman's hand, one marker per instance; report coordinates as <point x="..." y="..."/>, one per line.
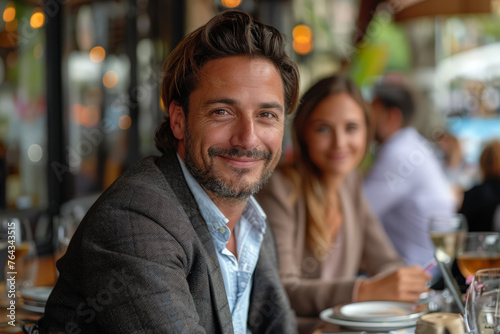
<point x="405" y="284"/>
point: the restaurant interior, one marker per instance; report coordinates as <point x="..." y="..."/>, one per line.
<point x="80" y="84"/>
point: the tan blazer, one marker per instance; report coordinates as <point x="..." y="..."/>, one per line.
<point x="364" y="246"/>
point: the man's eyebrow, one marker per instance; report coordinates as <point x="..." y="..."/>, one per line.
<point x="272" y="105"/>
<point x="265" y="105"/>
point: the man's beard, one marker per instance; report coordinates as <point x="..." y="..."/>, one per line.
<point x="207" y="176"/>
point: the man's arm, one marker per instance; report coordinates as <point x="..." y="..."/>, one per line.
<point x="124" y="272"/>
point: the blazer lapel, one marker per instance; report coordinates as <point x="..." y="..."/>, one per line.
<point x="170" y="167"/>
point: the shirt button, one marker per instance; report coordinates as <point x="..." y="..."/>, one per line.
<point x="221" y="229"/>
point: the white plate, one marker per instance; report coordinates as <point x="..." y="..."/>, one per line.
<point x="380" y="311"/>
<point x="328" y="316"/>
<point x="38" y="293"/>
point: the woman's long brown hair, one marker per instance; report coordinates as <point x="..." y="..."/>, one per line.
<point x="304" y="175"/>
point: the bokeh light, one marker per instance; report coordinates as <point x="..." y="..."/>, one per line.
<point x="35" y="153"/>
<point x="110" y="79"/>
<point x="9" y="14"/>
<point x="97" y="54"/>
<point x="231" y="3"/>
<point x="37" y="20"/>
<point x="124" y="122"/>
<point x="302" y="39"/>
<point x="86" y="116"/>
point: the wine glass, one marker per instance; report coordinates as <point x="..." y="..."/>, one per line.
<point x="21" y="260"/>
<point x="482" y="307"/>
<point x="3" y="261"/>
<point x="480" y="250"/>
<point x="447" y="233"/>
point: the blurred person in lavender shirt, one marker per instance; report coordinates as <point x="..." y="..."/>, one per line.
<point x="406" y="185"/>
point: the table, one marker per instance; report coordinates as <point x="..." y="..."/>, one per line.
<point x="46" y="276"/>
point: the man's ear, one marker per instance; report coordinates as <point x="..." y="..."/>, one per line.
<point x="177" y="120"/>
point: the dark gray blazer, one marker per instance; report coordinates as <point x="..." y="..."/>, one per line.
<point x="143" y="261"/>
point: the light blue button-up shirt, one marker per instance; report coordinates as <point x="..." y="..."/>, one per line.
<point x="249" y="232"/>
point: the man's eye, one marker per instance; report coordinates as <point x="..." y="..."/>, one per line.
<point x="220" y="112"/>
<point x="267" y="115"/>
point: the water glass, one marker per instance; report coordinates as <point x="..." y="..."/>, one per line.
<point x="482" y="308"/>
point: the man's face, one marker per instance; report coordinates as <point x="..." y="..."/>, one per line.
<point x="232" y="141"/>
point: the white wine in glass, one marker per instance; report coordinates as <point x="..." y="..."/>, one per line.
<point x="21" y="249"/>
<point x="447" y="234"/>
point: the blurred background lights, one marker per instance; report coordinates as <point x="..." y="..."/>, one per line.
<point x="97" y="54"/>
<point x="124" y="122"/>
<point x="35" y="153"/>
<point x="302" y="39"/>
<point x="86" y="116"/>
<point x="37" y="20"/>
<point x="9" y="14"/>
<point x="231" y="3"/>
<point x="110" y="79"/>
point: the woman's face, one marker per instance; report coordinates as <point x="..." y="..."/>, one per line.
<point x="336" y="135"/>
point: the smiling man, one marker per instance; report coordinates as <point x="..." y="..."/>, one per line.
<point x="178" y="244"/>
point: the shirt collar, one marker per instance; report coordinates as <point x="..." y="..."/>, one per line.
<point x="211" y="213"/>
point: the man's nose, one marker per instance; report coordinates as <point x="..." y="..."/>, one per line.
<point x="244" y="134"/>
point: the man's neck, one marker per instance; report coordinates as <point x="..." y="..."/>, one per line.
<point x="391" y="133"/>
<point x="231" y="208"/>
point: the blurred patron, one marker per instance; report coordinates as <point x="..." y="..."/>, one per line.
<point x="459" y="173"/>
<point x="325" y="230"/>
<point x="482" y="201"/>
<point x="178" y="244"/>
<point x="406" y="185"/>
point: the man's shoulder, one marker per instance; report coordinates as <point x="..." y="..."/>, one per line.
<point x="144" y="188"/>
<point x="151" y="173"/>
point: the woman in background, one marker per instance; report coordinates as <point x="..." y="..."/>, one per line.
<point x="325" y="231"/>
<point x="482" y="201"/>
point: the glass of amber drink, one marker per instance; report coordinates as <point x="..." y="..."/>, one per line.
<point x="480" y="250"/>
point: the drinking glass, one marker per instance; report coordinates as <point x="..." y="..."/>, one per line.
<point x="18" y="252"/>
<point x="447" y="234"/>
<point x="482" y="307"/>
<point x="480" y="250"/>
